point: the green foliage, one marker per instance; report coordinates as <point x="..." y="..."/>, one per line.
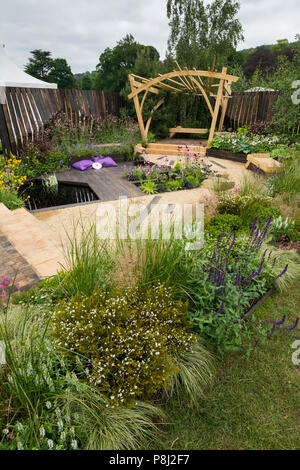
<point x="155" y="179"/>
<point x="174" y="185"/>
<point x="50" y="405"/>
<point x="11" y="199"/>
<point x="194" y="372"/>
<point x="221" y="292"/>
<point x="286" y="180"/>
<point x="62" y="75"/>
<point x="224" y="221"/>
<point x="149" y="187"/>
<point x="262" y="213"/>
<point x="199" y="30"/>
<point x="281" y="152"/>
<point x="40" y="64"/>
<point x="280" y="227"/>
<point x="245" y="143"/>
<point x="43" y="67"/>
<point x="128" y="337"/>
<point x="115" y="64"/>
<point x="89" y="261"/>
<point x="247" y="207"/>
<point x="157" y="260"/>
<point x="86" y="82"/>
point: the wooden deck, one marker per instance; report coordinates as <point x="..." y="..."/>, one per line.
<point x="107" y="183"/>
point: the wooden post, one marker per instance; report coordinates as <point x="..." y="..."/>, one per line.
<point x="217" y="106"/>
<point x="138" y="111"/>
<point x="224" y="107"/>
<point x="4" y="135"/>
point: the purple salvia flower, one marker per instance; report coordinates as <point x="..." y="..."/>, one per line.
<point x="274" y="262"/>
<point x="235" y="265"/>
<point x="282" y="272"/>
<point x="280" y="322"/>
<point x="249" y="278"/>
<point x="221" y="307"/>
<point x="238" y="279"/>
<point x="219" y="290"/>
<point x="294" y="325"/>
<point x="253" y="227"/>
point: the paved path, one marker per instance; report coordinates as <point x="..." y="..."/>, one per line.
<point x="14" y="266"/>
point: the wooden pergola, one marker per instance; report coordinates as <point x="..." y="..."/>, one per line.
<point x="209" y="84"/>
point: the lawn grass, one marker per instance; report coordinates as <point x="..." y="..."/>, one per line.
<point x="254" y="402"/>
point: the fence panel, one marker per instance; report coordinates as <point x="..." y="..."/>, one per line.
<point x="24" y="110"/>
<point x="246" y="108"/>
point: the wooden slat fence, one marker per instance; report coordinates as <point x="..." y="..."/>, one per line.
<point x="247" y="108"/>
<point x="23" y="111"/>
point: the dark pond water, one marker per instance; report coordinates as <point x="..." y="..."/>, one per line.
<point x="63" y="194"/>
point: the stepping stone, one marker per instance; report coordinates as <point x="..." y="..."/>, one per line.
<point x="263" y="161"/>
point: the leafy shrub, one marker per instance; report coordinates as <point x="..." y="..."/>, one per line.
<point x="224" y="221"/>
<point x="261" y="128"/>
<point x="128" y="338"/>
<point x="281" y="152"/>
<point x="262" y="213"/>
<point x="221" y="290"/>
<point x="246" y="207"/>
<point x="11" y="199"/>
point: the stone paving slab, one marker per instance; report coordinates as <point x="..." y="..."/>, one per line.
<point x="14" y="266"/>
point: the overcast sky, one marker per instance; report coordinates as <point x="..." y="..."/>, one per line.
<point x="79" y="30"/>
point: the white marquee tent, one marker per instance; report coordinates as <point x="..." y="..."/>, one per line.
<point x="12" y="76"/>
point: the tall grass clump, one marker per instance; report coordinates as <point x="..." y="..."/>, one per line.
<point x="286" y="181"/>
<point x="157" y="260"/>
<point x="90" y="261"/>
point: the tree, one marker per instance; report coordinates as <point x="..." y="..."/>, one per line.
<point x="40" y="65"/>
<point x="262" y="58"/>
<point x="198" y="30"/>
<point x="115" y="64"/>
<point x="86" y="82"/>
<point x="62" y="75"/>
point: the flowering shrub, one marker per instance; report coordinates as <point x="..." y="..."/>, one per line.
<point x="246" y="144"/>
<point x="291" y="245"/>
<point x="128" y="339"/>
<point x="11" y="179"/>
<point x="281" y="228"/>
<point x="222" y="289"/>
<point x="4" y="284"/>
<point x="247" y="207"/>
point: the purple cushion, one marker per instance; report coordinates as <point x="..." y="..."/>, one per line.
<point x="105" y="161"/>
<point x="83" y="165"/>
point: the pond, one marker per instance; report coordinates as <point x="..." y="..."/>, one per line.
<point x="38" y="195"/>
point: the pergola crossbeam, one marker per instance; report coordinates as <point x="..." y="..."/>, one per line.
<point x="184" y="81"/>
